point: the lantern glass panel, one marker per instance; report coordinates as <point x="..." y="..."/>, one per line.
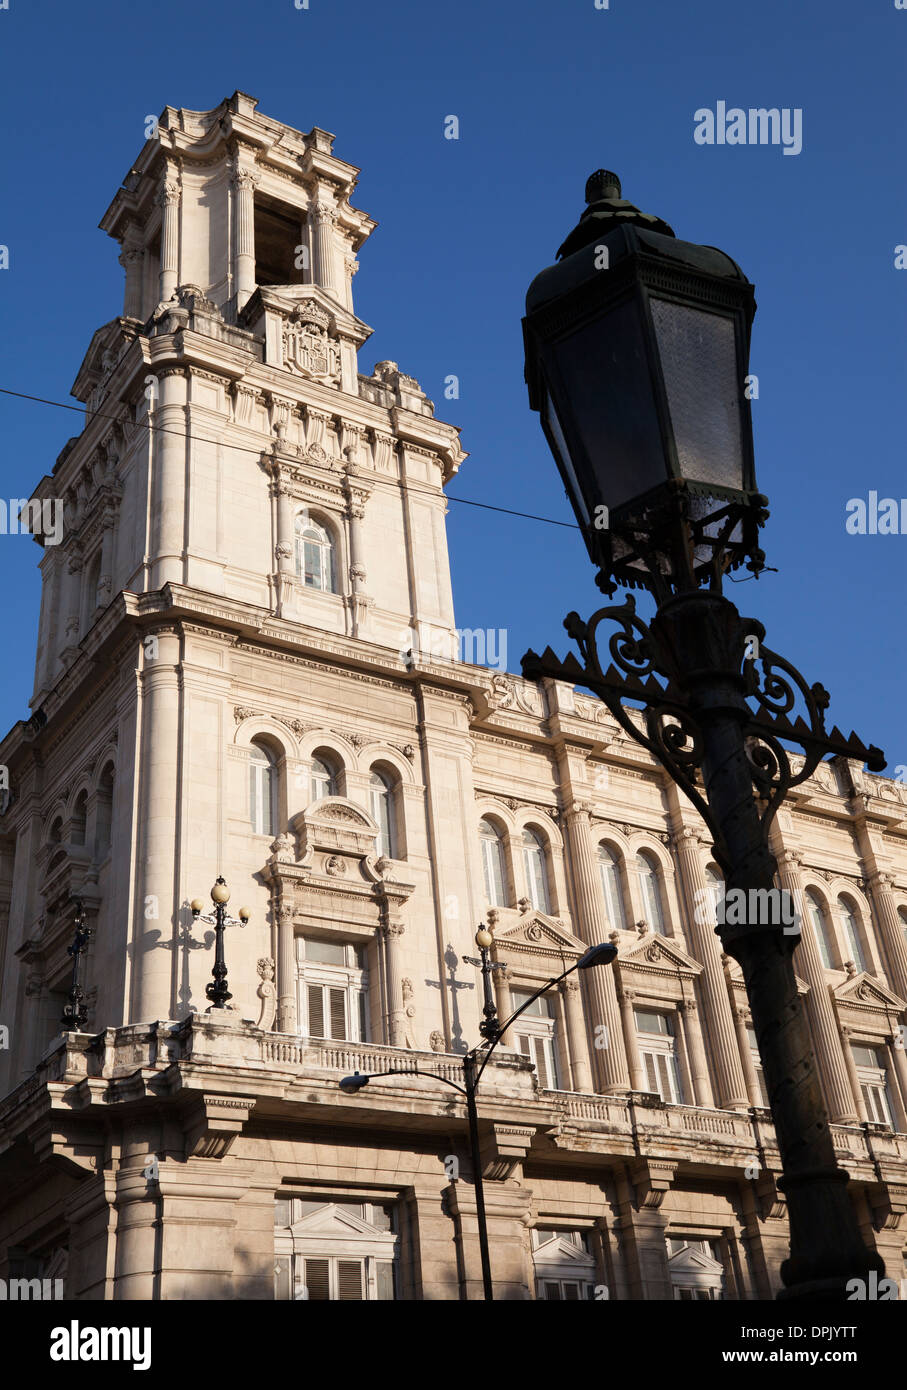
<point x="698" y="354"/>
<point x="556" y="435"/>
<point x="608" y="407"/>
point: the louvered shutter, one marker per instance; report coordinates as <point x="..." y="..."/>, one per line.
<point x="363" y="1018"/>
<point x="338" y="1013"/>
<point x="552" y="1292"/>
<point x="651" y="1074"/>
<point x="541" y="1062"/>
<point x="571" y="1293"/>
<point x="316" y="1011"/>
<point x="349" y="1281"/>
<point x="318" y="1280"/>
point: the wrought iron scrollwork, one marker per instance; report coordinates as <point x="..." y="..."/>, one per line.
<point x="671" y="729"/>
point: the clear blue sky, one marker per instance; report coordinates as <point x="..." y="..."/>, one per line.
<point x="545" y="93"/>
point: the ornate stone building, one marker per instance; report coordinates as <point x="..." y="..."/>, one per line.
<point x="247" y="664"/>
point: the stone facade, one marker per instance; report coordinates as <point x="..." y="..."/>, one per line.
<point x="247" y="664"/>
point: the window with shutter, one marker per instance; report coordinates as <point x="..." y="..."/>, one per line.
<point x="338" y="1013"/>
<point x="316" y="1011"/>
<point x="657" y="1049"/>
<point x="349" y="1281"/>
<point x="317" y="1280"/>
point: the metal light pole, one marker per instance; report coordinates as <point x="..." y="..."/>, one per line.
<point x="216" y="990"/>
<point x="474" y="1063"/>
<point x="75" y="1014"/>
<point x="637" y="349"/>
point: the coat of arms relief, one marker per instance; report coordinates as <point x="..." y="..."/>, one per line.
<point x="307" y="348"/>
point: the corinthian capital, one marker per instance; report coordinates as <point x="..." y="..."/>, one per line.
<point x="170" y="189"/>
<point x="243" y="178"/>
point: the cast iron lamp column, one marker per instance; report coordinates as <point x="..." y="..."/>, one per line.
<point x="75" y="1014"/>
<point x="216" y="989"/>
<point x="637" y="348"/>
<point x="474" y="1063"/>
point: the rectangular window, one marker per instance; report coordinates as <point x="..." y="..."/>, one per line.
<point x="535" y="1033"/>
<point x="657" y="1050"/>
<point x="333" y="990"/>
<point x="872" y="1075"/>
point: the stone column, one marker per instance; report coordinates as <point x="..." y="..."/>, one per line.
<point x="580" y="1065"/>
<point x="356" y="500"/>
<point x="322" y="220"/>
<point x="501" y="979"/>
<point x="157" y="811"/>
<point x="286" y="970"/>
<point x="72" y="600"/>
<point x="819" y="1008"/>
<point x="898" y="1066"/>
<point x="846" y="1032"/>
<point x="693" y="1046"/>
<point x="168" y="484"/>
<point x="706" y="948"/>
<point x="169" y="199"/>
<point x="891" y="928"/>
<point x="637" y="1073"/>
<point x="395" y="1018"/>
<point x="108" y="535"/>
<point x="132" y="259"/>
<point x="244" y="183"/>
<point x="285" y="538"/>
<point x="746" y="1057"/>
<point x="600" y="985"/>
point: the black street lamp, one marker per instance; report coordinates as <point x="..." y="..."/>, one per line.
<point x="637" y="349"/>
<point x="474" y="1063"/>
<point x="75" y="1014"/>
<point x="216" y="990"/>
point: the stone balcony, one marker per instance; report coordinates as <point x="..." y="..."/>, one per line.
<point x="216" y="1071"/>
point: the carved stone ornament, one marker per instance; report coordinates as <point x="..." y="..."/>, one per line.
<point x="267" y="993"/>
<point x="307" y="349"/>
<point x="334" y="865"/>
<point x="436" y="1041"/>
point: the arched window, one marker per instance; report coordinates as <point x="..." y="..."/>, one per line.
<point x="104" y="814"/>
<point x="535" y="870"/>
<point x="650" y="890"/>
<point x="262" y="791"/>
<point x="79" y="817"/>
<point x="816" y="913"/>
<point x="852" y="933"/>
<point x="714" y="881"/>
<point x="322" y="781"/>
<point x="492" y="848"/>
<point x="381" y="801"/>
<point x="612" y="888"/>
<point x="314" y="555"/>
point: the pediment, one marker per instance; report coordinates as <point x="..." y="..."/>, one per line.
<point x="656" y="952"/>
<point x="866" y="991"/>
<point x="293" y="300"/>
<point x="692" y="1261"/>
<point x="331" y="1221"/>
<point x="542" y="934"/>
<point x="335" y="824"/>
<point x="562" y="1252"/>
<point x="103" y="351"/>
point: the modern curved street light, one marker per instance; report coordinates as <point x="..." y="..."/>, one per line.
<point x="474" y="1063"/>
<point x="637" y="359"/>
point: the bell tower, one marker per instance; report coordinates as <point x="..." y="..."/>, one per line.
<point x="242" y="507"/>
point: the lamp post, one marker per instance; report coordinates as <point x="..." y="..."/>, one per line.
<point x="474" y="1063"/>
<point x="216" y="990"/>
<point x="637" y="352"/>
<point x="75" y="1014"/>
